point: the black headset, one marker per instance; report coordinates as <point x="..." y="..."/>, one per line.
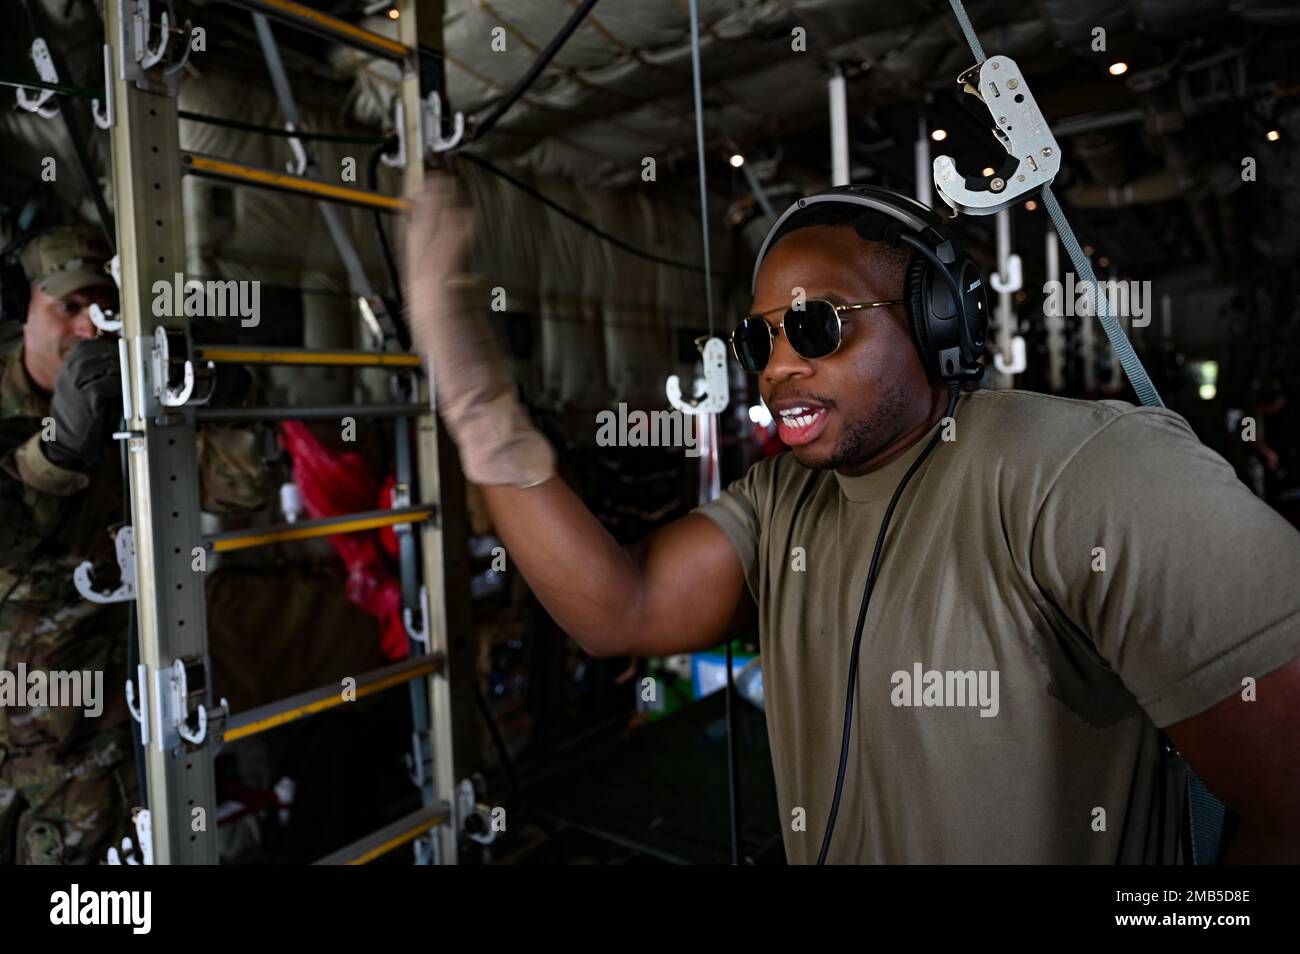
<point x="15" y="289"/>
<point x="943" y="290"/>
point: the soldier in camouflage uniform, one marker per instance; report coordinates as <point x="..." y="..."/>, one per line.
<point x="68" y="781"/>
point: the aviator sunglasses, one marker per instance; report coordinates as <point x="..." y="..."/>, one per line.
<point x="813" y="331"/>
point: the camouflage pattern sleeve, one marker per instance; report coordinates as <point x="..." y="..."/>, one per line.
<point x="232" y="476"/>
<point x="32" y="491"/>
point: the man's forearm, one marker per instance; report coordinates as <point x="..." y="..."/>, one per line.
<point x="584" y="578"/>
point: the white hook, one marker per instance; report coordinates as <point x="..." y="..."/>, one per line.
<point x="1017" y="364"/>
<point x="419" y="632"/>
<point x="148" y="57"/>
<point x="399" y="123"/>
<point x="716" y="393"/>
<point x="434" y="141"/>
<point x="168" y="395"/>
<point x="140" y="712"/>
<point x="44" y="63"/>
<point x="1015" y="277"/>
<point x="299" y="164"/>
<point x="105" y="118"/>
<point x="124" y="545"/>
<point x="143" y="838"/>
<point x="102" y="318"/>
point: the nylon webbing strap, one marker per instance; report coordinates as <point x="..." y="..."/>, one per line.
<point x="1206" y="811"/>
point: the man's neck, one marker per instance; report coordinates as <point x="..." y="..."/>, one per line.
<point x="36" y="386"/>
<point x="901" y="444"/>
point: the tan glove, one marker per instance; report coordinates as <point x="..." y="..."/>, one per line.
<point x="447" y="314"/>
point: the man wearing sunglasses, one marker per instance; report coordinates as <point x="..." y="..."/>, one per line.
<point x="1062" y="579"/>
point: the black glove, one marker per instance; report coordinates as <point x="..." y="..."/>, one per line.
<point x="87" y="405"/>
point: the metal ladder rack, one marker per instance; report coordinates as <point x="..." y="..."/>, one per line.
<point x="182" y="724"/>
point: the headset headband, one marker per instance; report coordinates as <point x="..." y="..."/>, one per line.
<point x="911" y="213"/>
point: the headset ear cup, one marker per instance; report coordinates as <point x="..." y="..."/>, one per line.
<point x="914" y="293"/>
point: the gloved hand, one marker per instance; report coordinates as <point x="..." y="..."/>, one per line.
<point x="447" y="316"/>
<point x="87" y="405"/>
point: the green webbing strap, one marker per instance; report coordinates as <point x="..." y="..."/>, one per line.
<point x="1206" y="812"/>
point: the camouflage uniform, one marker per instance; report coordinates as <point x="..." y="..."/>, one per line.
<point x="67" y="781"/>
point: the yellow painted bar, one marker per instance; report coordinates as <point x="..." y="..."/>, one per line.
<point x="236" y="355"/>
<point x="270" y="179"/>
<point x="396" y="842"/>
<point x="309" y="533"/>
<point x="323" y="21"/>
<point x="320" y="705"/>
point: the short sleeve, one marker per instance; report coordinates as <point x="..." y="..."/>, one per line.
<point x="736" y="511"/>
<point x="1185" y="581"/>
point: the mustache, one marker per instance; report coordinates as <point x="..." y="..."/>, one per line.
<point x="821" y="399"/>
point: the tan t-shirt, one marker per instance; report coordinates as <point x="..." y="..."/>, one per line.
<point x="1058" y="580"/>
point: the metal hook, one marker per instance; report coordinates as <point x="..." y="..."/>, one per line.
<point x="146" y="56"/>
<point x="124" y="545"/>
<point x="399" y="123"/>
<point x="434" y="141"/>
<point x="107" y="117"/>
<point x="168" y="393"/>
<point x="140" y="712"/>
<point x="1033" y="155"/>
<point x="102" y="318"/>
<point x="418" y="632"/>
<point x="44" y="63"/>
<point x="716" y="393"/>
<point x="143" y="838"/>
<point x="1014" y="279"/>
<point x="1018" y="361"/>
<point x="299" y="164"/>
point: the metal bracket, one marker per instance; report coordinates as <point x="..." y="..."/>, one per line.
<point x="44" y="63"/>
<point x="716" y="389"/>
<point x="124" y="544"/>
<point x="1034" y="158"/>
<point x="106" y="117"/>
<point x="143" y="838"/>
<point x="399" y="122"/>
<point x="173" y="378"/>
<point x="431" y="125"/>
<point x="180" y="713"/>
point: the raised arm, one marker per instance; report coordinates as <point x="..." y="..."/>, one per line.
<point x="680" y="589"/>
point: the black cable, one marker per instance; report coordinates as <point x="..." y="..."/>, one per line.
<point x="507" y="764"/>
<point x="583" y="223"/>
<point x="390" y="265"/>
<point x="953" y="392"/>
<point x="534" y="71"/>
<point x="733" y="767"/>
